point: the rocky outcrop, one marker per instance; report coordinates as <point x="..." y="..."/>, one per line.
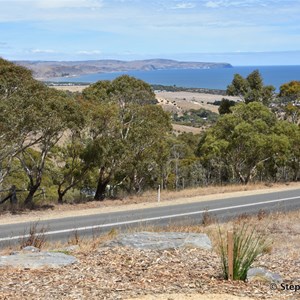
<point x="33" y="258"/>
<point x="161" y="240"/>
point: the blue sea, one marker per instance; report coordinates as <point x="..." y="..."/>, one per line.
<point x="217" y="78"/>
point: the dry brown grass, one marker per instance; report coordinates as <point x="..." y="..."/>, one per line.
<point x="283" y="229"/>
<point x="167" y="195"/>
<point x="71" y="88"/>
<point x="183" y="128"/>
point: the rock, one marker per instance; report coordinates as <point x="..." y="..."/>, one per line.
<point x="162" y="240"/>
<point x="261" y="274"/>
<point x="26" y="249"/>
<point x="71" y="248"/>
<point x="35" y="260"/>
<point x="31" y="249"/>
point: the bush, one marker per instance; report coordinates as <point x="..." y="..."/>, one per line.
<point x="248" y="244"/>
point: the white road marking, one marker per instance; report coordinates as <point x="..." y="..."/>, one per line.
<point x="148" y="219"/>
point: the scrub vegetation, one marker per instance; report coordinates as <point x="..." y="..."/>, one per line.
<point x="112" y="139"/>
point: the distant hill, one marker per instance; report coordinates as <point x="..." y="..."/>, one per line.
<point x="52" y="69"/>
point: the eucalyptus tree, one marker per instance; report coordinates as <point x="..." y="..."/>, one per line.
<point x="244" y="141"/>
<point x="251" y="88"/>
<point x="289" y="97"/>
<point x="125" y="132"/>
<point x="68" y="167"/>
<point x="52" y="113"/>
<point x="15" y="111"/>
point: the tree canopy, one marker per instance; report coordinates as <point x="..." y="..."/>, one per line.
<point x="112" y="139"/>
<point x="251" y="88"/>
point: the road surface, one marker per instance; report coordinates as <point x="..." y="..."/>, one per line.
<point x="192" y="213"/>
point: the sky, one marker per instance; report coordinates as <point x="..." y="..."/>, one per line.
<point x="240" y="32"/>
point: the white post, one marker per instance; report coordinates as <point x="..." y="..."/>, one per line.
<point x="158" y="193"/>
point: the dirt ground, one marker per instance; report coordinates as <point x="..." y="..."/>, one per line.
<point x="174" y="274"/>
<point x="191" y="297"/>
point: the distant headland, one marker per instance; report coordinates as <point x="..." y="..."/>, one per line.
<point x="51" y="69"/>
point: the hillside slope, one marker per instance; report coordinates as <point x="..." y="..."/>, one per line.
<point x="51" y="69"/>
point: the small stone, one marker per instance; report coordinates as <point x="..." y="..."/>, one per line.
<point x="261" y="274"/>
<point x="31" y="249"/>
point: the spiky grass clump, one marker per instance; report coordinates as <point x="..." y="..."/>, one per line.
<point x="248" y="244"/>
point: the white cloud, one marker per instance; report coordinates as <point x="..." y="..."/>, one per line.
<point x="238" y="3"/>
<point x="184" y="5"/>
<point x="36" y="51"/>
<point x="212" y="4"/>
<point x="89" y="52"/>
<point x="54" y="4"/>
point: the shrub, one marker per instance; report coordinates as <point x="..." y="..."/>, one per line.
<point x="248" y="244"/>
<point x="36" y="237"/>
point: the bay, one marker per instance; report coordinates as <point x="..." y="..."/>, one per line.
<point x="217" y="78"/>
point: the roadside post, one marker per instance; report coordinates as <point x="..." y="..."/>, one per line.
<point x="230" y="254"/>
<point x="158" y="194"/>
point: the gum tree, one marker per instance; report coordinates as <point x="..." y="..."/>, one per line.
<point x="251" y="88"/>
<point x="125" y="127"/>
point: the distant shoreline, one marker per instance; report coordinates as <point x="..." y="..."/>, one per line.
<point x="209" y="79"/>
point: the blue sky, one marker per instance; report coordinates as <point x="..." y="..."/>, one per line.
<point x="248" y="32"/>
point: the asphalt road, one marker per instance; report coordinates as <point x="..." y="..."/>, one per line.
<point x="192" y="213"/>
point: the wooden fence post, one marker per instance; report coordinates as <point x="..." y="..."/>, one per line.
<point x="230" y="254"/>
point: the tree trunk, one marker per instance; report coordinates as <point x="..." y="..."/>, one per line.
<point x="29" y="199"/>
<point x="60" y="197"/>
<point x="101" y="188"/>
<point x="103" y="181"/>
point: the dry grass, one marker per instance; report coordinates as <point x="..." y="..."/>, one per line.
<point x="167" y="195"/>
<point x="71" y="88"/>
<point x="283" y="229"/>
<point x="183" y="128"/>
<point x="183" y="101"/>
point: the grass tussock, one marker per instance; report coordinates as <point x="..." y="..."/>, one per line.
<point x="36" y="237"/>
<point x="248" y="244"/>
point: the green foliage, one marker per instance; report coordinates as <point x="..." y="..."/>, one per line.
<point x="196" y="117"/>
<point x="122" y="90"/>
<point x="225" y="106"/>
<point x="243" y="140"/>
<point x="290" y="90"/>
<point x="125" y="131"/>
<point x="248" y="244"/>
<point x="251" y="89"/>
<point x="112" y="139"/>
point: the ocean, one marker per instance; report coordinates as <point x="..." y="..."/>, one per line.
<point x="217" y="78"/>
